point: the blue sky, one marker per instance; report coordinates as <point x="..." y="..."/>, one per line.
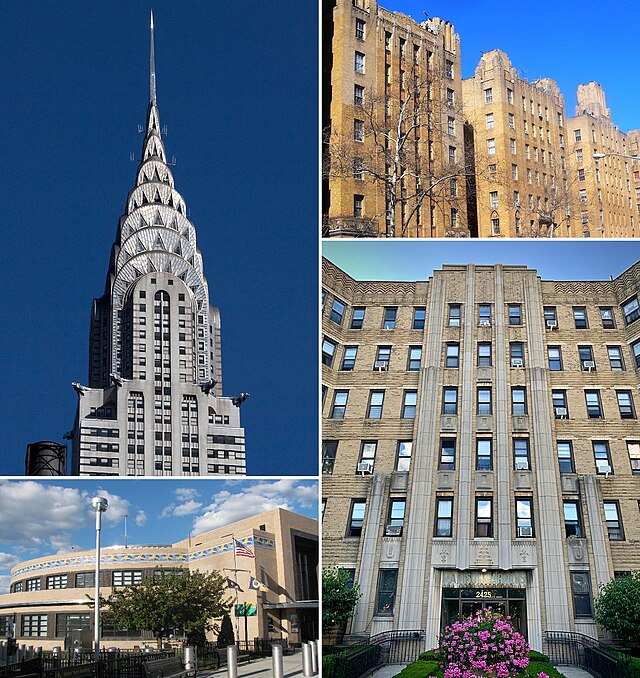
<point x="43" y="517"/>
<point x="237" y="89"/>
<point x="413" y="260"/>
<point x="569" y="42"/>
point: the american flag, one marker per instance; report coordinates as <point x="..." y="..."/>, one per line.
<point x="242" y="550"/>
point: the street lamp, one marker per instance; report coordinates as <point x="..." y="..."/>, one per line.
<point x="99" y="505"/>
<point x="599" y="156"/>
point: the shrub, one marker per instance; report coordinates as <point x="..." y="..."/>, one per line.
<point x="484" y="643"/>
<point x="421" y="669"/>
<point x="427" y="656"/>
<point x="537" y="656"/>
<point x="617" y="607"/>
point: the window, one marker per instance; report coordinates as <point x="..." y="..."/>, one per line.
<point x="453" y="355"/>
<point x="57" y="581"/>
<point x="577" y="134"/>
<point x="360" y="24"/>
<point x="488" y="95"/>
<point x="489" y="120"/>
<point x="359" y="62"/>
<point x="602" y="457"/>
<point x="484" y="314"/>
<point x="447" y="454"/>
<point x="454" y="315"/>
<point x="453" y="187"/>
<point x="403" y="461"/>
<point x="337" y="312"/>
<point x="34" y="625"/>
<point x="484" y="400"/>
<point x="582" y="194"/>
<point x="515" y="314"/>
<point x="527" y="155"/>
<point x="383" y="356"/>
<point x="625" y="404"/>
<point x="495" y="225"/>
<point x="509" y="96"/>
<point x="493" y="199"/>
<point x="594" y="407"/>
<point x="512" y="123"/>
<point x="444" y="513"/>
<point x="389" y="318"/>
<point x="358" y="130"/>
<point x="491" y="146"/>
<point x="451" y="125"/>
<point x="631" y="310"/>
<point x="581" y="589"/>
<point x="396" y="513"/>
<point x="368" y="452"/>
<point x="524" y="517"/>
<point x="449" y="68"/>
<point x="452" y="155"/>
<point x="518" y="400"/>
<point x="7" y="622"/>
<point x="484" y="354"/>
<point x="358" y="206"/>
<point x="328" y="352"/>
<point x="554" y="356"/>
<point x="484" y="517"/>
<point x="635" y="347"/>
<point x="127" y="577"/>
<point x="358" y="96"/>
<point x="579" y="155"/>
<point x="454" y="217"/>
<point x="512" y="146"/>
<point x="565" y="457"/>
<point x="349" y="358"/>
<point x="85" y="580"/>
<point x="521" y="461"/>
<point x="376" y="402"/>
<point x="586" y="358"/>
<point x="409" y="404"/>
<point x="484" y="457"/>
<point x="33" y="584"/>
<point x="633" y="448"/>
<point x="516" y="349"/>
<point x="329" y="452"/>
<point x="615" y="358"/>
<point x="339" y="406"/>
<point x="450" y="97"/>
<point x="419" y="315"/>
<point x="580" y="317"/>
<point x="66" y="623"/>
<point x="387" y="582"/>
<point x="514" y="175"/>
<point x="356" y="521"/>
<point x="572" y="519"/>
<point x="415" y="358"/>
<point x="606" y="313"/>
<point x="357" y="319"/>
<point x="613" y="520"/>
<point x="450" y="400"/>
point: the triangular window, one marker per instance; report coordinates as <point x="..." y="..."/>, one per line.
<point x="158" y="220"/>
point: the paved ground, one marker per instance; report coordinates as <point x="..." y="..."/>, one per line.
<point x="261" y="668"/>
<point x="393" y="669"/>
<point x="573" y="672"/>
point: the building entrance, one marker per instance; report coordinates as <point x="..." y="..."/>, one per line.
<point x="463" y="603"/>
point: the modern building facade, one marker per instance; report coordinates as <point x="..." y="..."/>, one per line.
<point x="388" y="76"/>
<point x="481" y="445"/>
<point x="50" y="600"/>
<point x="154" y="403"/>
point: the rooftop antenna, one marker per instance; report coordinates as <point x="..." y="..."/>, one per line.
<point x="125" y="530"/>
<point x="152" y="66"/>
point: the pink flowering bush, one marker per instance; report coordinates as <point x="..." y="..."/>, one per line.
<point x="482" y="646"/>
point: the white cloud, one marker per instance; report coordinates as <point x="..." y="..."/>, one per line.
<point x="8" y="560"/>
<point x="178" y="510"/>
<point x="118" y="507"/>
<point x="5" y="583"/>
<point x="186" y="493"/>
<point x="141" y="518"/>
<point x="254" y="498"/>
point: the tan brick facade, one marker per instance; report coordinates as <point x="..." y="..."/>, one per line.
<point x="545" y="375"/>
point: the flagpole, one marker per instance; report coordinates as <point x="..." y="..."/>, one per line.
<point x="235" y="567"/>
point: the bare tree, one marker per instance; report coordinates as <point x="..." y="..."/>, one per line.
<point x="397" y="145"/>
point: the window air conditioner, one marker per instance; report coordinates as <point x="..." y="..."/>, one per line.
<point x="517" y="362"/>
<point x="381" y="366"/>
<point x="561" y="412"/>
<point x="393" y="530"/>
<point x="588" y="366"/>
<point x="525" y="531"/>
<point x="604" y="468"/>
<point x="522" y="465"/>
<point x="485" y="322"/>
<point x="552" y="325"/>
<point x="365" y="467"/>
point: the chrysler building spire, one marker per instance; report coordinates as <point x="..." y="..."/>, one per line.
<point x="154" y="404"/>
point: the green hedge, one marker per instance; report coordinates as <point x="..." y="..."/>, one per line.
<point x="427" y="666"/>
<point x="537" y="656"/>
<point x="422" y="669"/>
<point x="630" y="666"/>
<point x="536" y="667"/>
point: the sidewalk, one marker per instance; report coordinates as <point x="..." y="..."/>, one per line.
<point x="261" y="668"/>
<point x="393" y="669"/>
<point x="388" y="671"/>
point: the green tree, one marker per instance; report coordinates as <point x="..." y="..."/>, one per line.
<point x="339" y="596"/>
<point x="171" y="601"/>
<point x="226" y="636"/>
<point x="618" y="607"/>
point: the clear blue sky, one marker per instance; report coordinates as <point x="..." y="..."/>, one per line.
<point x="237" y="89"/>
<point x="573" y="43"/>
<point x="44" y="517"/>
<point x="412" y="260"/>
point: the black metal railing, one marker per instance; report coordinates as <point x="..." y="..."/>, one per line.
<point x="399" y="647"/>
<point x="564" y="647"/>
<point x="352" y="662"/>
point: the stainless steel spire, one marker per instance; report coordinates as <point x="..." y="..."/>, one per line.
<point x="152" y="66"/>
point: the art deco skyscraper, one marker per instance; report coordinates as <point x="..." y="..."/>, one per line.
<point x="154" y="403"/>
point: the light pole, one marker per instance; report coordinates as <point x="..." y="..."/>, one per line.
<point x="99" y="505"/>
<point x="599" y="156"/>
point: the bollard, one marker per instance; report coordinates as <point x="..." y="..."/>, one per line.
<point x="314" y="656"/>
<point x="232" y="661"/>
<point x="276" y="660"/>
<point x="307" y="669"/>
<point x="190" y="658"/>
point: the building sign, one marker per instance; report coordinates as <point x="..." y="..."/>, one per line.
<point x="246" y="610"/>
<point x="483" y="580"/>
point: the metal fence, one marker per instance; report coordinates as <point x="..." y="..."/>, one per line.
<point x="352" y="662"/>
<point x="576" y="649"/>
